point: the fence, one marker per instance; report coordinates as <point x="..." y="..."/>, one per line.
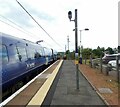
<point x="105" y="68"/>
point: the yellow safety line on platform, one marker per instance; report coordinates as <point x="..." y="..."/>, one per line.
<point x="41" y="94"/>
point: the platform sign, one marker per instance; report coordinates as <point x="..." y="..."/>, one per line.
<point x="76" y="55"/>
<point x="76" y="62"/>
<point x="76" y="58"/>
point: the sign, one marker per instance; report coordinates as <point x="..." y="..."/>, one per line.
<point x="76" y="62"/>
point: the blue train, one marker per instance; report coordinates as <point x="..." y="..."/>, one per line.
<point x="19" y="58"/>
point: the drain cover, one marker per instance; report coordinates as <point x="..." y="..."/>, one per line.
<point x="105" y="90"/>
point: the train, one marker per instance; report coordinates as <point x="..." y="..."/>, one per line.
<point x="20" y="58"/>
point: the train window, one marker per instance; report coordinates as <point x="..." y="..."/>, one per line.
<point x="37" y="55"/>
<point x="41" y="52"/>
<point x="22" y="53"/>
<point x="31" y="53"/>
<point x="3" y="54"/>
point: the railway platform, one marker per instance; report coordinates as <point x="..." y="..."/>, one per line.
<point x="65" y="92"/>
<point x="57" y="86"/>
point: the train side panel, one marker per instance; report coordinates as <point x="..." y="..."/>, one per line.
<point x="48" y="55"/>
<point x="19" y="58"/>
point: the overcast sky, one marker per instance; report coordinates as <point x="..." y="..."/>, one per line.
<point x="100" y="16"/>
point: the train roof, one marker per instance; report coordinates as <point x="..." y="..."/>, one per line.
<point x="8" y="39"/>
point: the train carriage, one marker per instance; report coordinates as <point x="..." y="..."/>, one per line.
<point x="19" y="58"/>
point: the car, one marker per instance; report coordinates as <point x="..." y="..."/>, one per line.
<point x="109" y="57"/>
<point x="113" y="63"/>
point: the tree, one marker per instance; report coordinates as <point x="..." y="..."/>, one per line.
<point x="98" y="52"/>
<point x="72" y="55"/>
<point x="86" y="53"/>
<point x="67" y="52"/>
<point x="110" y="50"/>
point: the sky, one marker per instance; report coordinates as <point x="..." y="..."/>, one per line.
<point x="99" y="16"/>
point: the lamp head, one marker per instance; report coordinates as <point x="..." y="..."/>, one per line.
<point x="86" y="29"/>
<point x="70" y="15"/>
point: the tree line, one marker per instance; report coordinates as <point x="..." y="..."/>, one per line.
<point x="96" y="53"/>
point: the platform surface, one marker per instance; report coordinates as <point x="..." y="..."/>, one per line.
<point x="66" y="92"/>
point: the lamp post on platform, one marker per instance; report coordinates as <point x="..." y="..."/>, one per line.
<point x="80" y="60"/>
<point x="76" y="46"/>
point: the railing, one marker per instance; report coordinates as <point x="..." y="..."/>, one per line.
<point x="105" y="68"/>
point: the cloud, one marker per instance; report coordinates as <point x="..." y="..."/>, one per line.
<point x="15" y="13"/>
<point x="41" y="15"/>
<point x="99" y="16"/>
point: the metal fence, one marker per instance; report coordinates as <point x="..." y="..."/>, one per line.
<point x="105" y="68"/>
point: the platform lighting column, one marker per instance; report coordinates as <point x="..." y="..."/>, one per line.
<point x="80" y="48"/>
<point x="65" y="48"/>
<point x="76" y="46"/>
<point x="86" y="29"/>
<point x="68" y="47"/>
<point x="117" y="68"/>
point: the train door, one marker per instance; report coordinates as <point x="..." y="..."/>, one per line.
<point x="3" y="62"/>
<point x="46" y="56"/>
<point x="31" y="58"/>
<point x="23" y="60"/>
<point x="39" y="57"/>
<point x="11" y="68"/>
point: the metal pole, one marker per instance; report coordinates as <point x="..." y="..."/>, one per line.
<point x="101" y="63"/>
<point x="68" y="46"/>
<point x="91" y="60"/>
<point x="76" y="52"/>
<point x="117" y="68"/>
<point x="80" y="49"/>
<point x="76" y="46"/>
<point x="68" y="42"/>
<point x="65" y="48"/>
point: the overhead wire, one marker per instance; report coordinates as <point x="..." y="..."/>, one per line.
<point x="11" y="25"/>
<point x="37" y="23"/>
<point x="23" y="30"/>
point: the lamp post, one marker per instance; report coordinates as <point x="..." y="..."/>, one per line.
<point x="80" y="60"/>
<point x="76" y="46"/>
<point x="68" y="46"/>
<point x="68" y="41"/>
